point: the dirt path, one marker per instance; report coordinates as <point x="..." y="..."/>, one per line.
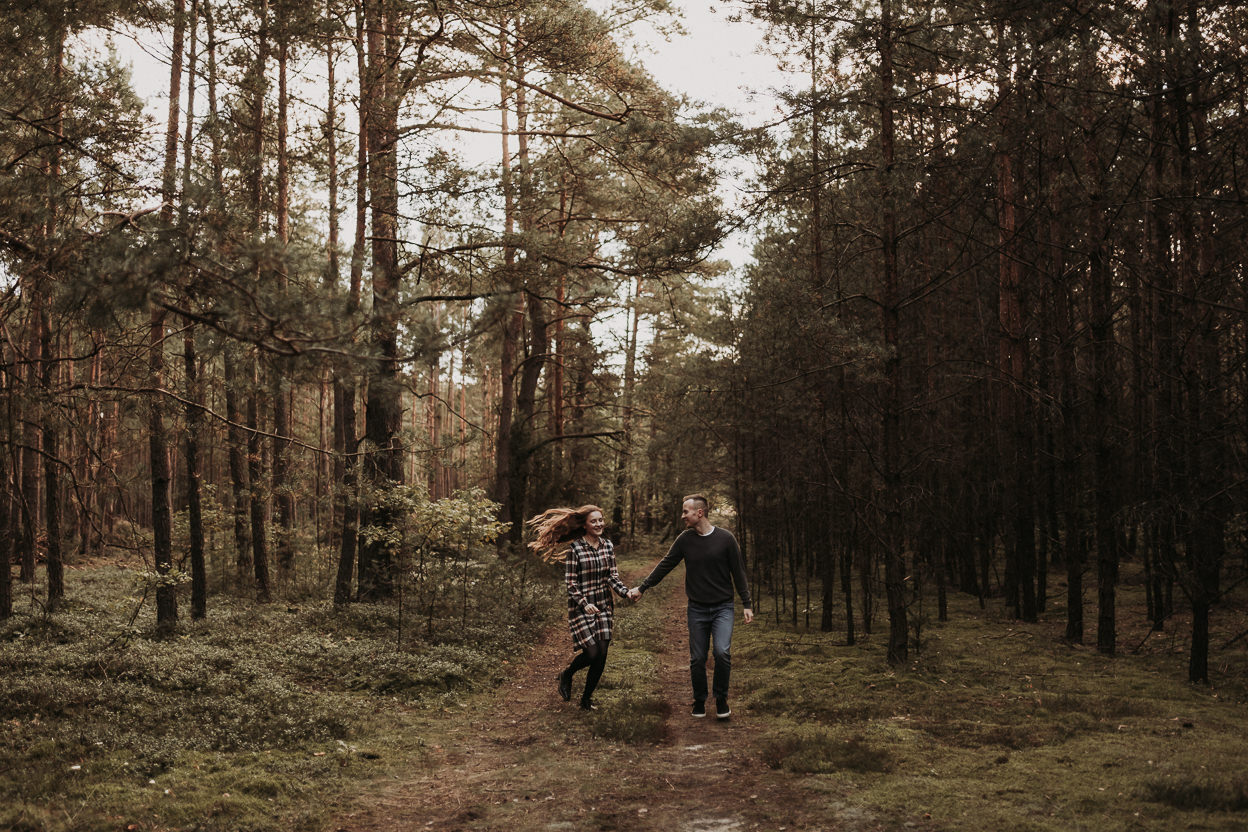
<point x="527" y="762"/>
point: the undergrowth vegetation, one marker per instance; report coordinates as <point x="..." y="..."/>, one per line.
<point x="1002" y="725"/>
<point x="280" y="716"/>
<point x="634" y="709"/>
<point x="245" y="720"/>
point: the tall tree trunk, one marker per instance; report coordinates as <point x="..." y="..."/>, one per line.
<point x="1016" y="468"/>
<point x="48" y="356"/>
<point x="890" y="453"/>
<point x="255" y="476"/>
<point x="91" y="541"/>
<point x="255" y="460"/>
<point x="513" y="323"/>
<point x="8" y="506"/>
<point x="1104" y="458"/>
<point x="283" y="494"/>
<point x="623" y="481"/>
<point x="30" y="490"/>
<point x="194" y="391"/>
<point x="194" y="475"/>
<point x="1206" y="505"/>
<point x="346" y="504"/>
<point x="51" y="470"/>
<point x="526" y="411"/>
<point x="236" y="440"/>
<point x="240" y="483"/>
<point x="162" y="500"/>
<point x="383" y="406"/>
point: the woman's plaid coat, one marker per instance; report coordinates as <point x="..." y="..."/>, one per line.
<point x="591" y="575"/>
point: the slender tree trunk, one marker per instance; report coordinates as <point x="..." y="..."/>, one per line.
<point x="894" y="562"/>
<point x="346" y="506"/>
<point x="49" y="360"/>
<point x="236" y="454"/>
<point x="622" y="478"/>
<point x="194" y="391"/>
<point x="255" y="476"/>
<point x="237" y="457"/>
<point x="8" y="514"/>
<point x="1205" y="493"/>
<point x="1016" y="469"/>
<point x="556" y="385"/>
<point x="162" y="499"/>
<point x="513" y="323"/>
<point x="30" y="491"/>
<point x="51" y="471"/>
<point x="283" y="494"/>
<point x="1104" y="458"/>
<point x="90" y="542"/>
<point x="523" y="425"/>
<point x="194" y="475"/>
<point x="255" y="461"/>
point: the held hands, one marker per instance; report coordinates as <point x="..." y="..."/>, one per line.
<point x="634" y="594"/>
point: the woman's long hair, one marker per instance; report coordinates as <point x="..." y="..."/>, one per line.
<point x="555" y="527"/>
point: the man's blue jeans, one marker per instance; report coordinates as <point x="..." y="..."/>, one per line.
<point x="710" y="624"/>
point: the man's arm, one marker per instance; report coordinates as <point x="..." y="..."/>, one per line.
<point x="739" y="580"/>
<point x="674" y="556"/>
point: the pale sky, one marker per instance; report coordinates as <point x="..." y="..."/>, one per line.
<point x="716" y="61"/>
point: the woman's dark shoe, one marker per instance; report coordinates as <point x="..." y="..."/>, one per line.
<point x="565" y="685"/>
<point x="588" y="705"/>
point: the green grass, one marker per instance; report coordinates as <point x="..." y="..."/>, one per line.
<point x="1000" y="724"/>
<point x="631" y="707"/>
<point x="256" y="718"/>
<point x="278" y="717"/>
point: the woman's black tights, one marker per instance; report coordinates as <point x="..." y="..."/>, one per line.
<point x="593" y="656"/>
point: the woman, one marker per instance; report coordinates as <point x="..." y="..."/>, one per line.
<point x="589" y="566"/>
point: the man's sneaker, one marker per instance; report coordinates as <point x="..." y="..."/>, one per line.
<point x="699" y="708"/>
<point x="565" y="685"/>
<point x="721" y="708"/>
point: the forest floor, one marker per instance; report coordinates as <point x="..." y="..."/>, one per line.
<point x="996" y="725"/>
<point x="525" y="760"/>
<point x="299" y="716"/>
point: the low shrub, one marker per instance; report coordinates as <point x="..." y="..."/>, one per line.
<point x="1199" y="794"/>
<point x="822" y="752"/>
<point x="631" y="718"/>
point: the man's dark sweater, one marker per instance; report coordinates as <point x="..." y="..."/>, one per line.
<point x="713" y="563"/>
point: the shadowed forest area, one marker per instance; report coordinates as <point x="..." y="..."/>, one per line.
<point x="305" y="307"/>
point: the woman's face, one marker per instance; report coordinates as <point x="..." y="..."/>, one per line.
<point x="594" y="523"/>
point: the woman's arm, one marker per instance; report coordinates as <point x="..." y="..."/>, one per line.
<point x="621" y="589"/>
<point x="572" y="576"/>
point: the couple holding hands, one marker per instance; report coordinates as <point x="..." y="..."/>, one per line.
<point x="713" y="567"/>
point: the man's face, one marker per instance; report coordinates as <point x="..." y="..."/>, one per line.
<point x="691" y="513"/>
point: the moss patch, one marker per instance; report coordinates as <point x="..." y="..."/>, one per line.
<point x="257" y="718"/>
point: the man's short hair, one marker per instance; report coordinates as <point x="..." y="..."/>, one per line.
<point x="704" y="504"/>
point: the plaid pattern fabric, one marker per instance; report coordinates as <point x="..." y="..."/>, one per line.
<point x="591" y="575"/>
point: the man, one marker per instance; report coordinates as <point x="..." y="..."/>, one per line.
<point x="713" y="566"/>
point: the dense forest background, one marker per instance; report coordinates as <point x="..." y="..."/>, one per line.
<point x="297" y="340"/>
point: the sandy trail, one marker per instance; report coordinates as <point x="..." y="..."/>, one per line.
<point x="521" y="764"/>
